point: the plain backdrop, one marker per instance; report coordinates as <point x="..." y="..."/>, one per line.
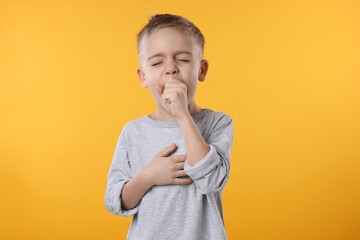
<point x="286" y="71"/>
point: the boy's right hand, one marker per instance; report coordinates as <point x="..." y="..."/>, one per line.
<point x="164" y="170"/>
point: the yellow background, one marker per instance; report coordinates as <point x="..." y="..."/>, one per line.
<point x="286" y="71"/>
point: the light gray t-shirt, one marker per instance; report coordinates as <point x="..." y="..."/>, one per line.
<point x="187" y="212"/>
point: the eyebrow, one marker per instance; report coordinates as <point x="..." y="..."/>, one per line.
<point x="176" y="53"/>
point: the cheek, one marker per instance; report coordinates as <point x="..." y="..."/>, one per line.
<point x="191" y="88"/>
<point x="155" y="87"/>
<point x="192" y="81"/>
<point x="159" y="89"/>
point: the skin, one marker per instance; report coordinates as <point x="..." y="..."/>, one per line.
<point x="172" y="79"/>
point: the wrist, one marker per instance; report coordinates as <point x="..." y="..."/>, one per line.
<point x="145" y="177"/>
<point x="184" y="118"/>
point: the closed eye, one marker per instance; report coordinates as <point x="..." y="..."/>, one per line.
<point x="183" y="60"/>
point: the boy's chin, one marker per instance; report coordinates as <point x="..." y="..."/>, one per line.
<point x="166" y="107"/>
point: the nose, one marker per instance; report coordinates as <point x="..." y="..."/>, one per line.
<point x="171" y="69"/>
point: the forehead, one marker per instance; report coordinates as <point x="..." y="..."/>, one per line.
<point x="168" y="41"/>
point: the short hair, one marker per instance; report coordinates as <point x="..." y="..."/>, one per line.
<point x="159" y="21"/>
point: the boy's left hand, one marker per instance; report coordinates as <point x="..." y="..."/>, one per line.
<point x="175" y="96"/>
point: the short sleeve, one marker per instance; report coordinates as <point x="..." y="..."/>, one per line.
<point x="118" y="175"/>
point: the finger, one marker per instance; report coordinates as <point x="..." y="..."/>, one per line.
<point x="171" y="81"/>
<point x="181" y="173"/>
<point x="167" y="98"/>
<point x="174" y="89"/>
<point x="176" y="84"/>
<point x="183" y="180"/>
<point x="179" y="165"/>
<point x="166" y="151"/>
<point x="168" y="95"/>
<point x="178" y="158"/>
<point x="169" y="86"/>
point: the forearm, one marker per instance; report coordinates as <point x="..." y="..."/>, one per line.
<point x="196" y="146"/>
<point x="134" y="190"/>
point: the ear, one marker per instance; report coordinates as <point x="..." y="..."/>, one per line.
<point x="204" y="66"/>
<point x="141" y="75"/>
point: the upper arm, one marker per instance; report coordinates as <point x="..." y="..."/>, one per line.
<point x="118" y="175"/>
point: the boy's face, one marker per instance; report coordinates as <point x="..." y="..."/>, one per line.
<point x="169" y="53"/>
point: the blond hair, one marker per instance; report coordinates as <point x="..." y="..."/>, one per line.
<point x="159" y="21"/>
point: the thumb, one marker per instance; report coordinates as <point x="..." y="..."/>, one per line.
<point x="166" y="151"/>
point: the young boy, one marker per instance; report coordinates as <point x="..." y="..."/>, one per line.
<point x="170" y="168"/>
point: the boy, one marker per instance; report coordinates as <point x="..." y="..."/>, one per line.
<point x="178" y="196"/>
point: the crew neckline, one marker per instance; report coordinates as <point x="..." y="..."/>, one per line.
<point x="174" y="123"/>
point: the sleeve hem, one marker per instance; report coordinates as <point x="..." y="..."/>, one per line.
<point x="114" y="205"/>
<point x="204" y="166"/>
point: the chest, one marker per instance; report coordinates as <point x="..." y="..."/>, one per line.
<point x="147" y="144"/>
